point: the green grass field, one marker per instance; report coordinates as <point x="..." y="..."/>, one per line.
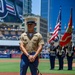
<point x="44" y="66"/>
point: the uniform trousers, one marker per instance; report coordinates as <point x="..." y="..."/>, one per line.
<point x="61" y="62"/>
<point x="25" y="63"/>
<point x="69" y="60"/>
<point x="52" y="61"/>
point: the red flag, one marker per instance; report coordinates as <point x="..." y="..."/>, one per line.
<point x="66" y="38"/>
<point x="57" y="28"/>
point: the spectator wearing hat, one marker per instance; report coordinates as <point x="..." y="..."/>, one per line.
<point x="31" y="44"/>
<point x="52" y="55"/>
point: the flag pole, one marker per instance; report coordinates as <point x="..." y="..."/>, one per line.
<point x="71" y="21"/>
<point x="60" y="25"/>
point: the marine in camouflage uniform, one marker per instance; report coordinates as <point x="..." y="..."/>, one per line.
<point x="31" y="44"/>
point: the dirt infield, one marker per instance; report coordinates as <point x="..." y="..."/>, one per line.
<point x="4" y="73"/>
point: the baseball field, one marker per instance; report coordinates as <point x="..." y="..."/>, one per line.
<point x="11" y="66"/>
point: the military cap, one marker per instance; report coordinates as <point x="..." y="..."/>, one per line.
<point x="31" y="20"/>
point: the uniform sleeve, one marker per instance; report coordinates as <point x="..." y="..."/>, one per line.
<point x="21" y="39"/>
<point x="41" y="41"/>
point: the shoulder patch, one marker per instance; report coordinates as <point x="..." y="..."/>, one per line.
<point x="24" y="34"/>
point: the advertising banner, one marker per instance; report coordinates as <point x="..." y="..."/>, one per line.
<point x="15" y="55"/>
<point x="11" y="11"/>
<point x="4" y="55"/>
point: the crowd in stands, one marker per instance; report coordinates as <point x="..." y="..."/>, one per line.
<point x="9" y="51"/>
<point x="10" y="35"/>
<point x="10" y="32"/>
<point x="16" y="50"/>
<point x="44" y="53"/>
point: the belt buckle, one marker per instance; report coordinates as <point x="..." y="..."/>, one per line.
<point x="30" y="52"/>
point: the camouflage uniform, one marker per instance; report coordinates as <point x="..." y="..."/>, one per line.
<point x="31" y="44"/>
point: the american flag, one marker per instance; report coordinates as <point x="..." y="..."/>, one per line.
<point x="57" y="28"/>
<point x="11" y="8"/>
